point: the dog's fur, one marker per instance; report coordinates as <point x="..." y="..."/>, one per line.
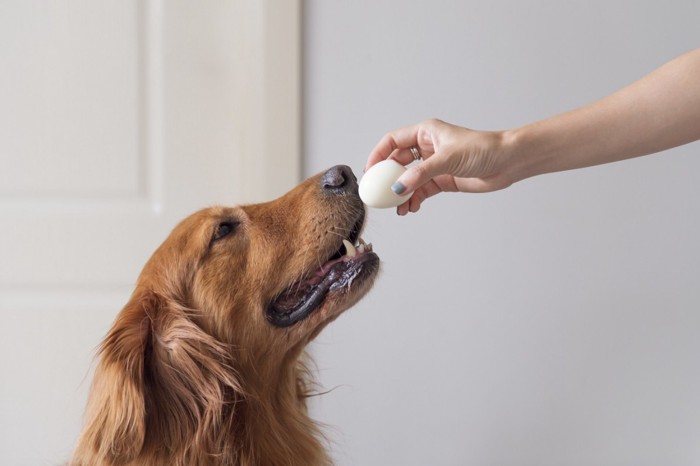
<point x="192" y="372"/>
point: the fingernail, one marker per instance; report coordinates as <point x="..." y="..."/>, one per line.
<point x="398" y="187"/>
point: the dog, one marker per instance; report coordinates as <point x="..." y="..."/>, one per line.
<point x="206" y="364"/>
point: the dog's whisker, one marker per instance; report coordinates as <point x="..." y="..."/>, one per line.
<point x="191" y="349"/>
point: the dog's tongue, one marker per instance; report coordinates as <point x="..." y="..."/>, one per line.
<point x="351" y="252"/>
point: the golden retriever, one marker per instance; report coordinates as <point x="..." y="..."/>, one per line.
<point x="205" y="365"/>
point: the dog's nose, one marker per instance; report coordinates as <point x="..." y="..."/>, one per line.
<point x="339" y="179"/>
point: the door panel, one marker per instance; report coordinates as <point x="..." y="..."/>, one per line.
<point x="117" y="120"/>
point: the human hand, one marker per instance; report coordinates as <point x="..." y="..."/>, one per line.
<point x="454" y="159"/>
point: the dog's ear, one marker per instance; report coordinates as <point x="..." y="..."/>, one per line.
<point x="160" y="376"/>
<point x="115" y="424"/>
<point x="192" y="383"/>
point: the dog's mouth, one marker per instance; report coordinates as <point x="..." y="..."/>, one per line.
<point x="352" y="264"/>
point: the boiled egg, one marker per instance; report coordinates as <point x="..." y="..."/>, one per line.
<point x="375" y="185"/>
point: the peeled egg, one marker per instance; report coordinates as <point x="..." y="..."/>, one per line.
<point x="375" y="185"/>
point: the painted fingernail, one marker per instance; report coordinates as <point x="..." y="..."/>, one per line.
<point x="398" y="187"/>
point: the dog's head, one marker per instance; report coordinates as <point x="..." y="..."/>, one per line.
<point x="269" y="274"/>
<point x="221" y="313"/>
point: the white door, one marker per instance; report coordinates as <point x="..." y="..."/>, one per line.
<point x="117" y="119"/>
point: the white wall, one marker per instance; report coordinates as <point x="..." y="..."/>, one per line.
<point x="554" y="323"/>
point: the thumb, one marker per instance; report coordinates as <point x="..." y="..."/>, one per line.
<point x="417" y="175"/>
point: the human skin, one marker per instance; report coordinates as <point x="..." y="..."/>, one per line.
<point x="655" y="113"/>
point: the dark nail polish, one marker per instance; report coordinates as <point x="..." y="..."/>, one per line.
<point x="398" y="187"/>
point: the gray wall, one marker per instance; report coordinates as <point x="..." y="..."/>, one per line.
<point x="553" y="323"/>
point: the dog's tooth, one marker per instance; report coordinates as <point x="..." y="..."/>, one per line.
<point x="361" y="248"/>
<point x="349" y="248"/>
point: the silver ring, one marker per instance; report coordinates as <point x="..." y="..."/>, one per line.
<point x="414" y="152"/>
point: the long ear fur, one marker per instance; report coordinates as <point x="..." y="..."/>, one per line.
<point x="162" y="384"/>
<point x="115" y="424"/>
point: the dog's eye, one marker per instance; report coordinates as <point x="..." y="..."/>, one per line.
<point x="224" y="229"/>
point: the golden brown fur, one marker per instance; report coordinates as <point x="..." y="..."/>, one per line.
<point x="192" y="372"/>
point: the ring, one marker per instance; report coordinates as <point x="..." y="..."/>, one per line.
<point x="414" y="152"/>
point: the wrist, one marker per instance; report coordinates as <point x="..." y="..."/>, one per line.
<point x="526" y="153"/>
<point x="512" y="150"/>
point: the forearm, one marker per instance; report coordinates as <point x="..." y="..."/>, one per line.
<point x="660" y="111"/>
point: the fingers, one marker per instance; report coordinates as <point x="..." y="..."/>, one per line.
<point x="382" y="150"/>
<point x="396" y="145"/>
<point x="421" y="194"/>
<point x="405" y="156"/>
<point x="418" y="178"/>
<point x="418" y="175"/>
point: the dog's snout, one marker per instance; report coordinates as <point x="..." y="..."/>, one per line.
<point x="339" y="179"/>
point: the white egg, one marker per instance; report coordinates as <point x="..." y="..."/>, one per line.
<point x="375" y="185"/>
